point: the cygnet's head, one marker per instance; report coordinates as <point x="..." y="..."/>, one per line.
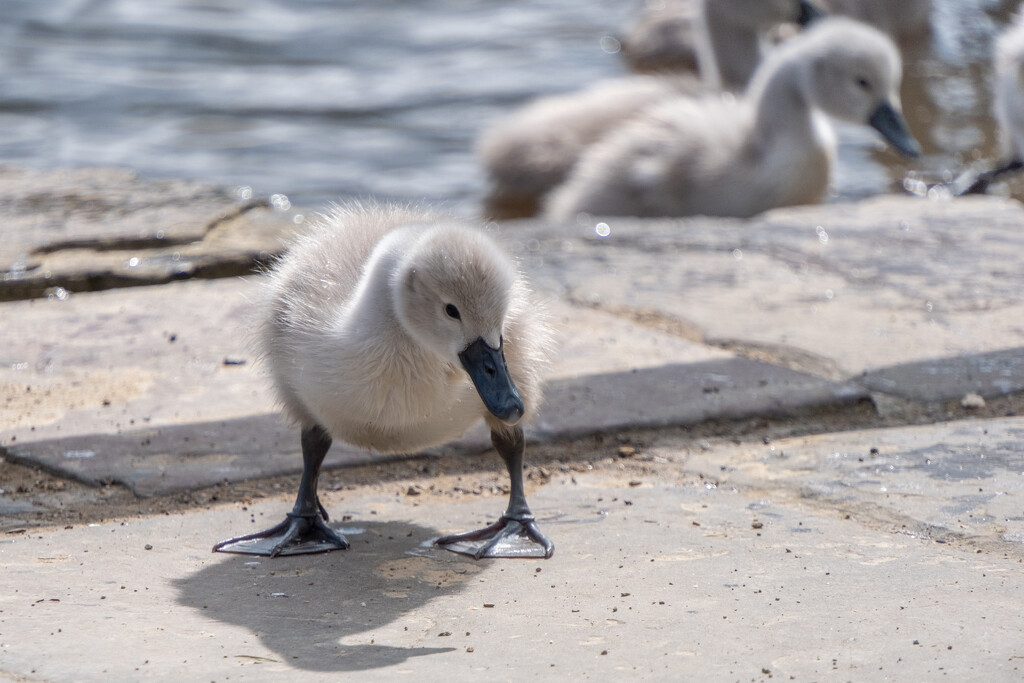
<point x="853" y="72"/>
<point x="452" y="292"/>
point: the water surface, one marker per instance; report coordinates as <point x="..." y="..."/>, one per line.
<point x="321" y="100"/>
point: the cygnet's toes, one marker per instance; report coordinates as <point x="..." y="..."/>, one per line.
<point x="505" y="538"/>
<point x="296" y="535"/>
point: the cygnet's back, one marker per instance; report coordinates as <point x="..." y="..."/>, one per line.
<point x="771" y="147"/>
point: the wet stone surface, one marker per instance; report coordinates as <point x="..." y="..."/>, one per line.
<point x="95" y="229"/>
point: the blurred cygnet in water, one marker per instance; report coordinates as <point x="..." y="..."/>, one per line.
<point x="772" y="147"/>
<point x="731" y="45"/>
<point x="1008" y="106"/>
<point x="723" y="40"/>
<point x="662" y="37"/>
<point x="901" y="19"/>
<point x="532" y="151"/>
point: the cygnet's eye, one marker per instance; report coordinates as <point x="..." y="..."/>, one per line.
<point x="452" y="312"/>
<point x="864" y="84"/>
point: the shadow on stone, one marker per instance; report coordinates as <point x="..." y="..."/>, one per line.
<point x="324" y="612"/>
<point x="992" y="374"/>
<point x="684" y="394"/>
<point x="173" y="458"/>
<point x="163" y="460"/>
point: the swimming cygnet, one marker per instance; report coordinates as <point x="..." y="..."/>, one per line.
<point x="662" y="37"/>
<point x="731" y="45"/>
<point x="532" y="151"/>
<point x="723" y="40"/>
<point x="738" y="157"/>
<point x="395" y="330"/>
<point x="901" y="19"/>
<point x="1008" y="106"/>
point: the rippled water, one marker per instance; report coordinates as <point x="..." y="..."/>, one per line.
<point x="321" y="99"/>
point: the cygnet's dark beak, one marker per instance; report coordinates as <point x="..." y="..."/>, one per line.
<point x="486" y="367"/>
<point x="891" y="124"/>
<point x="808" y="13"/>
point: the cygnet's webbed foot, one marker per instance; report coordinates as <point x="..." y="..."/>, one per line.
<point x="296" y="535"/>
<point x="505" y="538"/>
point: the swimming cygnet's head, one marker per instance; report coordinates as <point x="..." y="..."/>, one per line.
<point x="452" y="294"/>
<point x="854" y="73"/>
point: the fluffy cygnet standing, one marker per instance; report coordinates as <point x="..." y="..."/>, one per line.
<point x="533" y="150"/>
<point x="771" y="147"/>
<point x="395" y="330"/>
<point x="1008" y="106"/>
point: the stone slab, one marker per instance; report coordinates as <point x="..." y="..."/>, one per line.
<point x="155" y="388"/>
<point x="851" y="287"/>
<point x="48" y="210"/>
<point x="118" y="360"/>
<point x="237" y="241"/>
<point x="164" y="459"/>
<point x="170" y="458"/>
<point x="954" y="480"/>
<point x="101" y="362"/>
<point x="678" y="584"/>
<point x="686" y="394"/>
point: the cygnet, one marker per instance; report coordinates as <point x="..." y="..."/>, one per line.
<point x="739" y="156"/>
<point x="395" y="329"/>
<point x="532" y="151"/>
<point x="1008" y="106"/>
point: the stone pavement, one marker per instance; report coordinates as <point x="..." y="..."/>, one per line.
<point x="889" y="552"/>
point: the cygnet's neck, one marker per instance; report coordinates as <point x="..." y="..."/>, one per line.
<point x="727" y="52"/>
<point x="782" y="109"/>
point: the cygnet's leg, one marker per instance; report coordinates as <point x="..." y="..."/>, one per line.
<point x="305" y="529"/>
<point x="515" y="534"/>
<point x="986" y="178"/>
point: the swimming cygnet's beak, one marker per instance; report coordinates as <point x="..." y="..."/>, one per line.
<point x="891" y="124"/>
<point x="486" y="367"/>
<point x="808" y="13"/>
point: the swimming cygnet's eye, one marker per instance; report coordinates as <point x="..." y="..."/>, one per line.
<point x="452" y="312"/>
<point x="863" y="83"/>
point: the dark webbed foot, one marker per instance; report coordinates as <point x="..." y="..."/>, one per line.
<point x="505" y="538"/>
<point x="305" y="529"/>
<point x="296" y="535"/>
<point x="515" y="534"/>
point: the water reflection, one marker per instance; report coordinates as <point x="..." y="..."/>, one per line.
<point x="315" y="99"/>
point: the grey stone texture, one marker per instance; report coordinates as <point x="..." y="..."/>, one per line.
<point x="874" y="554"/>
